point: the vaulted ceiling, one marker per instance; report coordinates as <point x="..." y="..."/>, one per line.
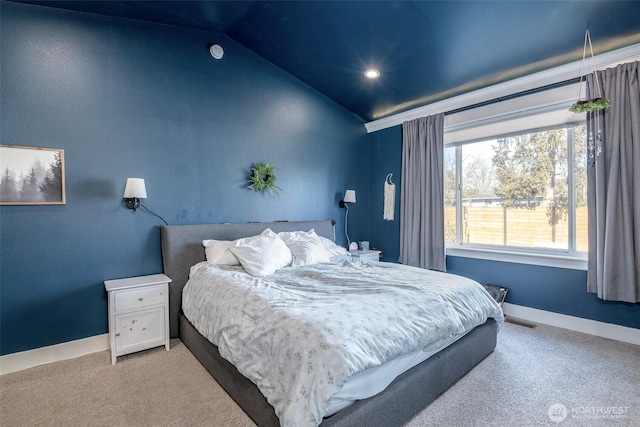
<point x="425" y="50"/>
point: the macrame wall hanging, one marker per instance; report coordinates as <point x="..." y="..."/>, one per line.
<point x="593" y="105"/>
<point x="389" y="198"/>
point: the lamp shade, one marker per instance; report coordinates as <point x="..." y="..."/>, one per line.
<point x="135" y="188"/>
<point x="350" y="196"/>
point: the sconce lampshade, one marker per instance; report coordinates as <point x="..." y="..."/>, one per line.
<point x="133" y="192"/>
<point x="135" y="189"/>
<point x="350" y="196"/>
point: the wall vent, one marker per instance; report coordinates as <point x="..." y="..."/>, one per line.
<point x="519" y="322"/>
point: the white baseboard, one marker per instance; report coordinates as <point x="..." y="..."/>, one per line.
<point x="54" y="353"/>
<point x="587" y="326"/>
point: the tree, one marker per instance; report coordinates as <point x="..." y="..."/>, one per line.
<point x="580" y="164"/>
<point x="30" y="191"/>
<point x="555" y="144"/>
<point x="8" y="187"/>
<point x="522" y="170"/>
<point x="52" y="186"/>
<point x="39" y="169"/>
<point x="450" y="193"/>
<point x="531" y="168"/>
<point x="479" y="176"/>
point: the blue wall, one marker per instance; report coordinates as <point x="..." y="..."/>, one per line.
<point x="130" y="99"/>
<point x="385" y="157"/>
<point x="552" y="289"/>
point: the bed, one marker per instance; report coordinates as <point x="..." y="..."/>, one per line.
<point x="403" y="398"/>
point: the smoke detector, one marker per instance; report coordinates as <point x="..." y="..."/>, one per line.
<point x="216" y="51"/>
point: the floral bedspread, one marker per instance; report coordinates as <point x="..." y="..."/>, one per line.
<point x="301" y="332"/>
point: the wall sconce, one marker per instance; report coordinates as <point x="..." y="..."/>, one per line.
<point x="133" y="192"/>
<point x="349" y="197"/>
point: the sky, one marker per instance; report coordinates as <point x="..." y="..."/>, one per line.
<point x="20" y="160"/>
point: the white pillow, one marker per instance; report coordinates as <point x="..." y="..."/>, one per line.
<point x="306" y="247"/>
<point x="263" y="254"/>
<point x="334" y="250"/>
<point x="218" y="253"/>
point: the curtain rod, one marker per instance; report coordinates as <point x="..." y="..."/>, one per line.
<point x="514" y="95"/>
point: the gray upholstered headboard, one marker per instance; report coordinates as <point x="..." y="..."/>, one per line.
<point x="182" y="248"/>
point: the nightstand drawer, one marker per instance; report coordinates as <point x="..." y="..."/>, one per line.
<point x="139" y="298"/>
<point x="140" y="330"/>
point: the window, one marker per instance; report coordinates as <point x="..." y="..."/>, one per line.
<point x="521" y="192"/>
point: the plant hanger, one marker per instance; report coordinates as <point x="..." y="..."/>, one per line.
<point x="587" y="105"/>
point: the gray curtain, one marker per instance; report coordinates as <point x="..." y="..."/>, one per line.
<point x="422" y="193"/>
<point x="613" y="181"/>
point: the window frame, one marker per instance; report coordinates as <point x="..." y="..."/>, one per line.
<point x="508" y="123"/>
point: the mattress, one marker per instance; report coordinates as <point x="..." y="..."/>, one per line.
<point x="374" y="380"/>
<point x="317" y="337"/>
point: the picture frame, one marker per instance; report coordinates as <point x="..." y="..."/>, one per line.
<point x="31" y="176"/>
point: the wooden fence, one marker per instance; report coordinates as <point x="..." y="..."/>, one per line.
<point x="524" y="227"/>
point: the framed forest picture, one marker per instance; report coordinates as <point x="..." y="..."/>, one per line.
<point x="31" y="176"/>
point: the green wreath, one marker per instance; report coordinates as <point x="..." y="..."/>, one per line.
<point x="263" y="178"/>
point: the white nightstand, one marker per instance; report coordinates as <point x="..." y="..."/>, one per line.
<point x="138" y="313"/>
<point x="370" y="255"/>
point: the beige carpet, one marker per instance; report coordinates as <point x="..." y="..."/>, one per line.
<point x="516" y="385"/>
<point x="151" y="388"/>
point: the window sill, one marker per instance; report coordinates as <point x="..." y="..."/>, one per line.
<point x="547" y="260"/>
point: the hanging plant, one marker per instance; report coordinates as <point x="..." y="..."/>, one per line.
<point x="263" y="178"/>
<point x="593" y="104"/>
<point x="590" y="105"/>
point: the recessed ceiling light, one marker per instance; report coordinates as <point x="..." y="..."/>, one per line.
<point x="372" y="73"/>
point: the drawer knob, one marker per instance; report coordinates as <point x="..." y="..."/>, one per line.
<point x="140" y="299"/>
<point x="117" y="334"/>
